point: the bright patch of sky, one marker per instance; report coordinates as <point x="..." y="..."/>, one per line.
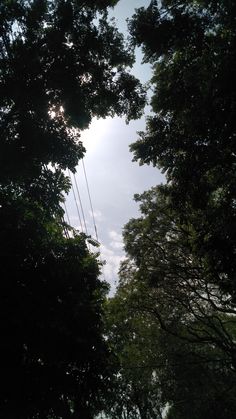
<point x="113" y="177"/>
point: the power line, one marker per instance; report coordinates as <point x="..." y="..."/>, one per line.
<point x="94" y="223"/>
<point x="80" y="201"/>
<point x="78" y="211"/>
<point x="90" y="200"/>
<point x="82" y="210"/>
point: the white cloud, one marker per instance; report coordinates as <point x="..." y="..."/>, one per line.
<point x="114" y="235"/>
<point x="111" y="268"/>
<point x="97" y="215"/>
<point x="116" y="245"/>
<point x="117" y="240"/>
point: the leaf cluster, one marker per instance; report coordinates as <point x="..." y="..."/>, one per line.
<point x="61" y="64"/>
<point x="182" y="246"/>
<point x="191" y="135"/>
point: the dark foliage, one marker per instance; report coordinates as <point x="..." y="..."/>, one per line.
<point x="191" y="137"/>
<point x="61" y="64"/>
<point x="180" y="273"/>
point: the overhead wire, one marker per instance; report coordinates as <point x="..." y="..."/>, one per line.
<point x="75" y="189"/>
<point x="90" y="200"/>
<point x="77" y="207"/>
<point x="81" y="205"/>
<point x="93" y="217"/>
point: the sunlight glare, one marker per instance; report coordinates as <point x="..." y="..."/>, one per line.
<point x="93" y="136"/>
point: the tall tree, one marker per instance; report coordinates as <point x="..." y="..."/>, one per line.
<point x="163" y="374"/>
<point x="61" y="64"/>
<point x="183" y="243"/>
<point x="183" y="294"/>
<point x="132" y="335"/>
<point x="191" y="136"/>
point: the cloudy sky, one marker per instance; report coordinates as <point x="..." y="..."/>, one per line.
<point x="112" y="176"/>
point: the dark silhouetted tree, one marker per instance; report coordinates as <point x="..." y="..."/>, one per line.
<point x="182" y="247"/>
<point x="191" y="136"/>
<point x="61" y="64"/>
<point x="175" y="371"/>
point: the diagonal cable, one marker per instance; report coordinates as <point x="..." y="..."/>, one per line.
<point x="81" y="205"/>
<point x="77" y="207"/>
<point x="90" y="200"/>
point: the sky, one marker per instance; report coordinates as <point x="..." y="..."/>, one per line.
<point x="112" y="176"/>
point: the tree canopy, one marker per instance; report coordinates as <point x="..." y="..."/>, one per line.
<point x="164" y="345"/>
<point x="164" y="374"/>
<point x="132" y="336"/>
<point x="61" y="64"/>
<point x="191" y="45"/>
<point x="182" y="246"/>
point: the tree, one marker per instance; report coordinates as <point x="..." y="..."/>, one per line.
<point x="53" y="354"/>
<point x="191" y="45"/>
<point x="162" y="373"/>
<point x="183" y="293"/>
<point x="183" y="244"/>
<point x="61" y="64"/>
<point x="59" y="68"/>
<point x="132" y="335"/>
